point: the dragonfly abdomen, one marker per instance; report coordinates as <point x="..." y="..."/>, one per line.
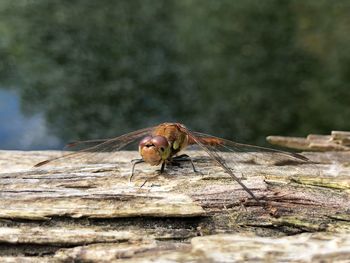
<point x="206" y="141"/>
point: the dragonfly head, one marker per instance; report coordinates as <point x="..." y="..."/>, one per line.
<point x="154" y="149"/>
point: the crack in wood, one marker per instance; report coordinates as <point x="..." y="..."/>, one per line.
<point x="77" y="213"/>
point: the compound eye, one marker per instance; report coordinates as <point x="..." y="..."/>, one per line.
<point x="145" y="141"/>
<point x="160" y="142"/>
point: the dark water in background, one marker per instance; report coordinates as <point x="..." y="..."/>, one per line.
<point x="20" y="132"/>
<point x="241" y="70"/>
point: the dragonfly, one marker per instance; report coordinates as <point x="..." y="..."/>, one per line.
<point x="161" y="145"/>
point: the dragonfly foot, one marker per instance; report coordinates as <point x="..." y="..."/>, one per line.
<point x="143" y="183"/>
<point x="134" y="162"/>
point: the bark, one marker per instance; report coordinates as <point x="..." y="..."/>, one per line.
<point x="91" y="212"/>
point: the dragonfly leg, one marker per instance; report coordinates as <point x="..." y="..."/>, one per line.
<point x="143" y="183"/>
<point x="162" y="168"/>
<point x="134" y="162"/>
<point x="183" y="158"/>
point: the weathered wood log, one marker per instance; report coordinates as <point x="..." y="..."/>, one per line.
<point x="343" y="137"/>
<point x="337" y="141"/>
<point x="90" y="212"/>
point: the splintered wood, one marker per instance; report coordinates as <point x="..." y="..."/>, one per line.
<point x="92" y="213"/>
<point x="337" y="141"/>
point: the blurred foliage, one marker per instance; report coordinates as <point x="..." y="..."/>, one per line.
<point x="239" y="69"/>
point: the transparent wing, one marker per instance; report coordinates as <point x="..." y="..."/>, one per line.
<point x="84" y="144"/>
<point x="93" y="151"/>
<point x="241" y="159"/>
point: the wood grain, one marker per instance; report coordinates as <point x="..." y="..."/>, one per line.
<point x="92" y="213"/>
<point x="337" y="141"/>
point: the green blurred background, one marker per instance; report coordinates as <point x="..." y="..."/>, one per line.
<point x="238" y="69"/>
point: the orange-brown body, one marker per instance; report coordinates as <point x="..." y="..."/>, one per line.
<point x="175" y="134"/>
<point x="166" y="141"/>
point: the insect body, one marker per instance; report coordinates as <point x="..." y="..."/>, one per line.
<point x="161" y="144"/>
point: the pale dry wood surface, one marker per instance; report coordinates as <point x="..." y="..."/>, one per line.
<point x="336" y="141"/>
<point x="91" y="213"/>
